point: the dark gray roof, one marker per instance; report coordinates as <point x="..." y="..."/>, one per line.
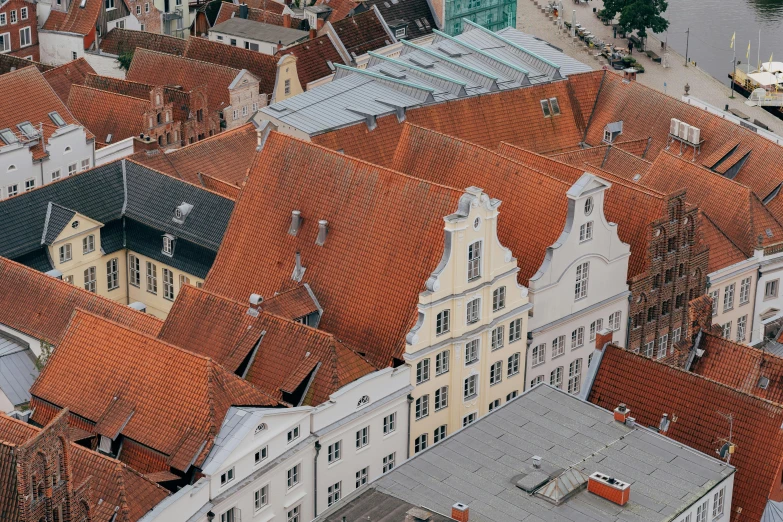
<point x="378" y="507"/>
<point x="260" y="31"/>
<point x="416" y="14"/>
<point x="57" y="218"/>
<point x="480" y="465"/>
<point x="17" y="370"/>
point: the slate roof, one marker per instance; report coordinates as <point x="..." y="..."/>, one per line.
<point x="39" y="100"/>
<point x="72" y="73"/>
<point x="79" y="19"/>
<point x="340" y="8"/>
<point x="166" y="69"/>
<point x="415" y="13"/>
<point x="479" y="465"/>
<point x="107" y="113"/>
<point x="114" y="485"/>
<point x="364" y="204"/>
<point x="256" y="30"/>
<point x="697" y="403"/>
<point x="118" y="41"/>
<point x="119" y="379"/>
<point x="312" y="58"/>
<point x="260" y="65"/>
<point x="41" y="306"/>
<point x="17" y="369"/>
<point x="225" y="156"/>
<point x="268" y="16"/>
<point x="57" y="218"/>
<point x="362" y="32"/>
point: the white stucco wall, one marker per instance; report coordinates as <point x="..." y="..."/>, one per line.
<point x="767" y="309"/>
<point x="68" y="146"/>
<point x="114" y="151"/>
<point x="105" y="64"/>
<point x="59" y="48"/>
<point x="16" y="166"/>
<point x="263" y="47"/>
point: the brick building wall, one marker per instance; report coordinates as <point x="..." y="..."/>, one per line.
<point x="147" y="14"/>
<point x="159" y="121"/>
<point x="18" y="26"/>
<point x="677" y="273"/>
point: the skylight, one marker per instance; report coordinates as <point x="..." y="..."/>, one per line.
<point x="8" y="137"/>
<point x="57" y="119"/>
<point x="27" y="128"/>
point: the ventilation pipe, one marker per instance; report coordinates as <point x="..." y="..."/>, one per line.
<point x="296" y="222"/>
<point x="323" y="226"/>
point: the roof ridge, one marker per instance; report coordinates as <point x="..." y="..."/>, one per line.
<point x="720" y="230"/>
<point x="186" y="182"/>
<point x="183" y="57"/>
<point x="619" y="180"/>
<point x="112" y="93"/>
<point x="209" y="139"/>
<point x="119" y="79"/>
<point x="665" y="153"/>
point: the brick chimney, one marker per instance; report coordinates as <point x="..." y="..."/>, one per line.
<point x="287" y="20"/>
<point x="621" y="413"/>
<point x="460" y="512"/>
<point x="699" y="315"/>
<point x="319" y="24"/>
<point x="279" y="45"/>
<point x="313" y="33"/>
<point x="609" y="488"/>
<point x="143" y="142"/>
<point x="602" y="337"/>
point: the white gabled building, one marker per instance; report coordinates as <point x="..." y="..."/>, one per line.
<point x="579" y="290"/>
<point x="288" y="464"/>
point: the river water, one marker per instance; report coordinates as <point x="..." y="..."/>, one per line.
<point x="712" y="23"/>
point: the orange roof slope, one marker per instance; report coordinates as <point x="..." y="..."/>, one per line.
<point x="267" y="16"/>
<point x="312" y="58"/>
<point x="365" y="206"/>
<point x="734" y="208"/>
<point x="291" y="304"/>
<point x="123" y="381"/>
<point x="107" y="113"/>
<point x="266" y="5"/>
<point x="723" y="252"/>
<point x="80" y="18"/>
<point x="38" y="101"/>
<point x="41" y="306"/>
<point x="165" y="69"/>
<point x="609" y="158"/>
<point x="112" y="483"/>
<point x="118" y="41"/>
<point x="260" y="65"/>
<point x="72" y="73"/>
<point x="225" y="156"/>
<point x="514" y="116"/>
<point x="697" y="404"/>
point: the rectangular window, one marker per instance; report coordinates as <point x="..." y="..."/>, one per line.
<point x="420" y="443"/>
<point x="422" y="371"/>
<point x="558" y="346"/>
<point x="442" y="362"/>
<point x="535" y="381"/>
<point x="152" y="278"/>
<point x="363" y="435"/>
<point x="55" y="175"/>
<point x="474" y="261"/>
<point x="261" y="497"/>
<point x="13" y="16"/>
<point x="389" y="423"/>
<point x="468" y="419"/>
<point x="5" y="42"/>
<point x="745" y="291"/>
<point x="227" y="476"/>
<point x="86" y="164"/>
<point x="287" y="87"/>
<point x="717" y="503"/>
<point x="496" y="373"/>
<point x="469" y="387"/>
<point x="663" y="343"/>
<point x="728" y="298"/>
<point x="512" y="395"/>
<point x="65" y="253"/>
<point x="494" y="404"/>
<point x="545" y="108"/>
<point x="292" y="435"/>
<point x="676" y="335"/>
<point x="13" y="190"/>
<point x="388" y="462"/>
<point x="72" y="166"/>
<point x="23" y="13"/>
<point x="293" y="514"/>
<point x="362" y="476"/>
<point x="422" y="407"/>
<point x="701" y="512"/>
<point x="714" y="297"/>
<point x="582" y="274"/>
<point x="113" y="273"/>
<point x="614" y="321"/>
<point x="575" y="376"/>
<point x="442" y="322"/>
<point x="228" y="516"/>
<point x="89" y="279"/>
<point x="515" y="330"/>
<point x="261" y="455"/>
<point x="471" y="351"/>
<point x="596" y="326"/>
<point x="293" y="476"/>
<point x="742" y="322"/>
<point x="88" y="244"/>
<point x="555" y="106"/>
<point x="539" y="355"/>
<point x="649" y="349"/>
<point x="727" y="330"/>
<point x="771" y="289"/>
<point x="441" y="398"/>
<point x="498" y="335"/>
<point x="556" y="377"/>
<point x="134" y="270"/>
<point x="333" y="493"/>
<point x="578" y="338"/>
<point x="29" y="185"/>
<point x="2" y="19"/>
<point x="586" y="232"/>
<point x="499" y="298"/>
<point x="168" y="245"/>
<point x="472" y="310"/>
<point x="439" y="434"/>
<point x="333" y="453"/>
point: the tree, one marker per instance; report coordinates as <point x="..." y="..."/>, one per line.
<point x="638" y="15"/>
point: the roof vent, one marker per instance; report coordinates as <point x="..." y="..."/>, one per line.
<point x="299" y="270"/>
<point x="256" y="299"/>
<point x="663" y="426"/>
<point x="763" y="383"/>
<point x="296" y="222"/>
<point x="536" y="462"/>
<point x="108" y="138"/>
<point x="323" y="226"/>
<point x="609" y="488"/>
<point x="418" y="514"/>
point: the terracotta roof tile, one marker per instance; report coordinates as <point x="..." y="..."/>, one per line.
<point x="118" y="41"/>
<point x="362" y="32"/>
<point x="609" y="158"/>
<point x="100" y="362"/>
<point x="80" y="19"/>
<point x="266" y="5"/>
<point x="698" y="404"/>
<point x="723" y="252"/>
<point x="41" y="306"/>
<point x="291" y="304"/>
<point x="166" y="69"/>
<point x="72" y="73"/>
<point x="312" y="58"/>
<point x="106" y="113"/>
<point x="260" y="65"/>
<point x="10" y="63"/>
<point x="364" y="205"/>
<point x="220" y="187"/>
<point x="267" y="16"/>
<point x="340" y="8"/>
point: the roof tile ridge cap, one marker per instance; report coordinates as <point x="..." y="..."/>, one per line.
<point x="186" y="182"/>
<point x="209" y="139"/>
<point x="364" y="162"/>
<point x="778" y="406"/>
<point x="6" y="417"/>
<point x="123" y="467"/>
<point x="720" y="230"/>
<point x="756" y="351"/>
<point x="120" y="79"/>
<point x="210" y="64"/>
<point x="339" y="345"/>
<point x="704" y="169"/>
<point x="112" y="93"/>
<point x="123" y="497"/>
<point x="618" y="149"/>
<point x="625" y="183"/>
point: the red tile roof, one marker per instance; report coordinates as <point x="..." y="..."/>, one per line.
<point x="105" y="113"/>
<point x="39" y="100"/>
<point x="267" y="16"/>
<point x="362" y="32"/>
<point x="651" y="389"/>
<point x="72" y="73"/>
<point x="41" y="306"/>
<point x="609" y="158"/>
<point x="340" y="8"/>
<point x="312" y="58"/>
<point x="266" y="5"/>
<point x="220" y="187"/>
<point x="224" y="157"/>
<point x="165" y="69"/>
<point x="112" y="482"/>
<point x="291" y="304"/>
<point x="118" y="41"/>
<point x="103" y="371"/>
<point x="80" y="18"/>
<point x="260" y="65"/>
<point x="365" y="205"/>
<point x="723" y="252"/>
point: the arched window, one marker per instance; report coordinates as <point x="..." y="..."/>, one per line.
<point x="67" y="150"/>
<point x="11" y="168"/>
<point x="365" y="400"/>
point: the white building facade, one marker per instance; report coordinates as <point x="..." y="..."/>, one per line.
<point x="579" y="290"/>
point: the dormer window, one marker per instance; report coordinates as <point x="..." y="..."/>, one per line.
<point x="612" y="131"/>
<point x="293" y="434"/>
<point x="181" y="212"/>
<point x="57" y="119"/>
<point x="168" y="245"/>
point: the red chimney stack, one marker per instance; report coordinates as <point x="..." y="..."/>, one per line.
<point x="287" y="20"/>
<point x="460" y="512"/>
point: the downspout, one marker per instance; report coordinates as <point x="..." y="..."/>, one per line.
<point x="408" y="445"/>
<point x="315" y="478"/>
<point x="528" y="342"/>
<point x="629" y="323"/>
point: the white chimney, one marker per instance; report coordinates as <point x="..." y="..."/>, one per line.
<point x="323" y="226"/>
<point x="296" y="221"/>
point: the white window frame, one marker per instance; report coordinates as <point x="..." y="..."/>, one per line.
<point x="582" y="279"/>
<point x="25" y="35"/>
<point x="23" y="13"/>
<point x="726" y="327"/>
<point x="473" y="311"/>
<point x="556" y="377"/>
<point x="496" y="373"/>
<point x="261" y="455"/>
<point x="744" y="297"/>
<point x="538" y="355"/>
<point x="474" y="260"/>
<point x="363" y="436"/>
<point x="333" y="493"/>
<point x="442" y="322"/>
<point x="472" y="350"/>
<point x="91" y="279"/>
<point x="423" y="371"/>
<point x="334" y="452"/>
<point x="771" y="289"/>
<point x="558" y="346"/>
<point x="293" y="476"/>
<point x="152" y="278"/>
<point x="420" y="444"/>
<point x="227" y="476"/>
<point x="88" y="244"/>
<point x="134" y="271"/>
<point x="469" y="419"/>
<point x="663" y="345"/>
<point x="498" y="298"/>
<point x="362" y="477"/>
<point x="113" y="274"/>
<point x="422" y="407"/>
<point x="292" y="434"/>
<point x="293" y="514"/>
<point x="66" y="253"/>
<point x="388" y="462"/>
<point x="470" y="387"/>
<point x="441" y="398"/>
<point x="586" y="232"/>
<point x="515" y="330"/>
<point x="575" y="376"/>
<point x="728" y="298"/>
<point x="578" y="338"/>
<point x="29" y="184"/>
<point x="390" y="423"/>
<point x="718" y="500"/>
<point x="439" y="433"/>
<point x="261" y="497"/>
<point x="498" y="336"/>
<point x="513" y="364"/>
<point x="742" y="323"/>
<point x="442" y="362"/>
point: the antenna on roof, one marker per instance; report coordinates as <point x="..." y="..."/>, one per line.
<point x="727" y="450"/>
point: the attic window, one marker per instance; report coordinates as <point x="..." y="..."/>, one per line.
<point x="261" y="427"/>
<point x="108" y="138"/>
<point x="545" y="108"/>
<point x="57" y="119"/>
<point x="27" y="128"/>
<point x="8" y="137"/>
<point x="399" y="33"/>
<point x="763" y="383"/>
<point x="365" y="400"/>
<point x="168" y="245"/>
<point x="555" y="106"/>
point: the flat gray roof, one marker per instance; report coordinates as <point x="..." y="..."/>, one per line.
<point x="259" y="31"/>
<point x="17" y="370"/>
<point x="480" y="465"/>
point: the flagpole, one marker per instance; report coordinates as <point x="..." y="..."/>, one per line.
<point x="758" y="53"/>
<point x="733" y="65"/>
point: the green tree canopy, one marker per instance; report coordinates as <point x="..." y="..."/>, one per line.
<point x="638" y="15"/>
